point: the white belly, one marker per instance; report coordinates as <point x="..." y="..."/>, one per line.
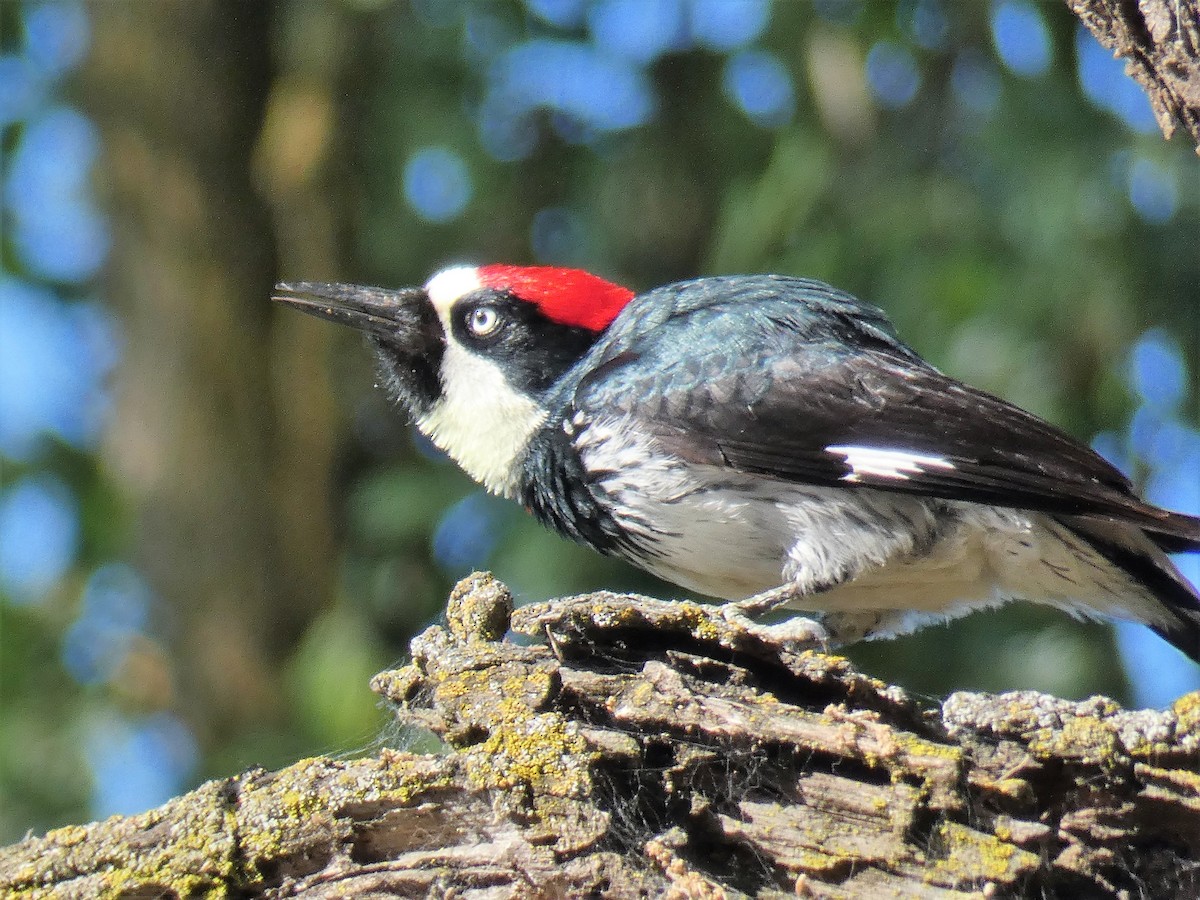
<point x="729" y="535"/>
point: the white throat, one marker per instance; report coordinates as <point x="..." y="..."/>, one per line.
<point x="480" y="420"/>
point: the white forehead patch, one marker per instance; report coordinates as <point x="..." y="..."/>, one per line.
<point x="449" y="284"/>
<point x="885" y="463"/>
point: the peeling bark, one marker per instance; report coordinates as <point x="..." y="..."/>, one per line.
<point x="1160" y="43"/>
<point x="642" y="748"/>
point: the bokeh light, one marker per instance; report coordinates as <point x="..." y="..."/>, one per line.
<point x="437" y="184"/>
<point x="20" y="88"/>
<point x="56" y="35"/>
<point x="56" y="356"/>
<point x="559" y="13"/>
<point x="485" y="33"/>
<point x="507" y="136"/>
<point x="39" y="536"/>
<point x="467" y="534"/>
<point x="892" y="74"/>
<point x="761" y="86"/>
<point x="1106" y="84"/>
<point x="1169" y="448"/>
<point x="975" y="83"/>
<point x="726" y="25"/>
<point x="114" y="610"/>
<point x="54" y="359"/>
<point x="1158" y="673"/>
<point x="601" y="90"/>
<point x="138" y="763"/>
<point x="638" y="30"/>
<point x="1021" y="38"/>
<point x="1157" y="371"/>
<point x="56" y="228"/>
<point x="926" y="21"/>
<point x="1153" y="190"/>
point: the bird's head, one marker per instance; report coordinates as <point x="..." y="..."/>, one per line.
<point x="472" y="353"/>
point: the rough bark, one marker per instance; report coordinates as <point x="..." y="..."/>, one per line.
<point x="1160" y="42"/>
<point x="650" y="749"/>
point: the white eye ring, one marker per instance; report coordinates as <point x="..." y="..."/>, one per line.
<point x="483" y="320"/>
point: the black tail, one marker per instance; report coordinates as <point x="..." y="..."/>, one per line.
<point x="1148" y="565"/>
<point x="1185" y="635"/>
<point x="1176" y="594"/>
<point x="1182" y="536"/>
<point x="1178" y="533"/>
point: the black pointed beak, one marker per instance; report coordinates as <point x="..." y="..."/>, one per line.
<point x="388" y="314"/>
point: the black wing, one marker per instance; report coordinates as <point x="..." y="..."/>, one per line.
<point x="770" y="386"/>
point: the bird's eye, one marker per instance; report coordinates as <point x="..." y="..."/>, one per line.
<point x="483" y="320"/>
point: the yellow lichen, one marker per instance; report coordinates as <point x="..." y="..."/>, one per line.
<point x="171" y="869"/>
<point x="315" y="790"/>
<point x="969" y="856"/>
<point x="917" y="746"/>
<point x="819" y="863"/>
<point x="541" y="750"/>
<point x="1182" y="780"/>
<point x="68" y="836"/>
<point x="1086" y="738"/>
<point x="523" y="744"/>
<point x="833" y="663"/>
<point x="699" y="620"/>
<point x="1187" y="713"/>
<point x="1017" y="789"/>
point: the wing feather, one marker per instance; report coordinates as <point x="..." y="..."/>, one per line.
<point x="769" y="387"/>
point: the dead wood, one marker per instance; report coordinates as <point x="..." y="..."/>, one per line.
<point x="618" y="746"/>
<point x="1160" y="43"/>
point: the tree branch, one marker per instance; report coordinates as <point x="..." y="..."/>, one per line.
<point x="1160" y="42"/>
<point x="649" y="748"/>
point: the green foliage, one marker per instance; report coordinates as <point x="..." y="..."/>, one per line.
<point x="339" y="654"/>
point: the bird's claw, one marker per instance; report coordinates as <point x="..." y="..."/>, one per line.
<point x="796" y="630"/>
<point x="759" y="604"/>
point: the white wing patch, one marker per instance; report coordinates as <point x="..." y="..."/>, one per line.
<point x="884" y="463"/>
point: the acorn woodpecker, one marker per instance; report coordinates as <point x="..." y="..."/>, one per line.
<point x="765" y="439"/>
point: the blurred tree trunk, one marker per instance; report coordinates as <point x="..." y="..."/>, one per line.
<point x="221" y="436"/>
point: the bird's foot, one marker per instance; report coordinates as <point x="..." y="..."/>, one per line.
<point x="834" y="629"/>
<point x="753" y="607"/>
<point x="796" y="630"/>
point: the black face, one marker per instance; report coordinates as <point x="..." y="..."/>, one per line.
<point x="532" y="350"/>
<point x="410" y="358"/>
<point x="401" y="324"/>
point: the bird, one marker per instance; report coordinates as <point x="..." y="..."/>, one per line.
<point x="768" y="441"/>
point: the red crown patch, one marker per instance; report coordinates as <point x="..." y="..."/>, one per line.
<point x="570" y="297"/>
